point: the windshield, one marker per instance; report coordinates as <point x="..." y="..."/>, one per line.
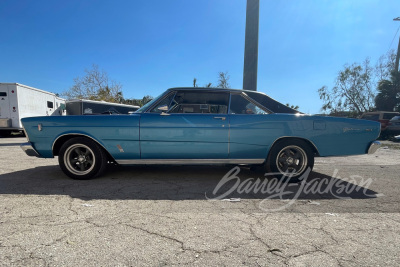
<point x="143" y="109"/>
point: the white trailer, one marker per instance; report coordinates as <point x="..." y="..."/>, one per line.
<point x="93" y="107"/>
<point x="18" y="101"/>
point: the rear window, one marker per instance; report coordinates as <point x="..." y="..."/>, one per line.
<point x="388" y="116"/>
<point x="371" y="117"/>
<point x="271" y="104"/>
<point x="3" y="94"/>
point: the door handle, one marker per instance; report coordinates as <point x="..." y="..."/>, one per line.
<point x="220" y="118"/>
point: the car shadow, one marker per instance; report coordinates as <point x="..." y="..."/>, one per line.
<point x="179" y="183"/>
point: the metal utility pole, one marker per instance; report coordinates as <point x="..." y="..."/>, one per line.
<point x="251" y="45"/>
<point x="396" y="67"/>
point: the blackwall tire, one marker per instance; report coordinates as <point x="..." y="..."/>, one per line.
<point x="290" y="159"/>
<point x="81" y="158"/>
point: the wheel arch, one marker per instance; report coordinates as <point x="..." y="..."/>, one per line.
<point x="285" y="138"/>
<point x="60" y="140"/>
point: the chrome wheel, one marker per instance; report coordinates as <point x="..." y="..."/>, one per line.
<point x="291" y="160"/>
<point x="79" y="159"/>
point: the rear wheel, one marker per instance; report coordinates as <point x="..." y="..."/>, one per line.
<point x="291" y="159"/>
<point x="81" y="158"/>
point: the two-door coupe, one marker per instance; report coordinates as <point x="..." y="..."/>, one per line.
<point x="199" y="126"/>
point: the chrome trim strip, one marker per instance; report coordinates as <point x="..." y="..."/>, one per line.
<point x="189" y="161"/>
<point x="29" y="150"/>
<point x="374" y="147"/>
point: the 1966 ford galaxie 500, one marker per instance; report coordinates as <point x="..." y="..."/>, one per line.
<point x="199" y="126"/>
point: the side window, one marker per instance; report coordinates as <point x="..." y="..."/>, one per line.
<point x="50" y="104"/>
<point x="371" y="117"/>
<point x="3" y="94"/>
<point x="240" y="105"/>
<point x="388" y="116"/>
<point x="164" y="105"/>
<point x="200" y="102"/>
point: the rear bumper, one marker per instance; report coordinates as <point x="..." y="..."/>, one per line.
<point x="29" y="150"/>
<point x="373" y="147"/>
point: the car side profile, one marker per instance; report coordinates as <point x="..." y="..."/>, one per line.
<point x="199" y="126"/>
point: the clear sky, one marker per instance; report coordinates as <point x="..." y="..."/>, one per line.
<point x="151" y="45"/>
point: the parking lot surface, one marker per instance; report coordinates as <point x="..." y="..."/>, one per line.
<point x="345" y="213"/>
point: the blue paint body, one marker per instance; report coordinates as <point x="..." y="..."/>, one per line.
<point x="202" y="136"/>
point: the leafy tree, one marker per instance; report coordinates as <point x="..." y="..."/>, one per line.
<point x="385" y="65"/>
<point x="388" y="98"/>
<point x="95" y="85"/>
<point x="138" y="102"/>
<point x="146" y="99"/>
<point x="223" y="81"/>
<point x="355" y="86"/>
<point x="353" y="90"/>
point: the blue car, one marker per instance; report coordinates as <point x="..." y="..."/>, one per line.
<point x="199" y="126"/>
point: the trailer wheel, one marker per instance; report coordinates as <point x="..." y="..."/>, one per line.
<point x="81" y="158"/>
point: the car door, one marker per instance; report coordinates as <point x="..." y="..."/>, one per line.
<point x="250" y="129"/>
<point x="186" y="124"/>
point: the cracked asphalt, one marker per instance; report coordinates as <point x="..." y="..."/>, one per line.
<point x="346" y="213"/>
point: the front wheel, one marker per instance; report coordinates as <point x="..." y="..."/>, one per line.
<point x="290" y="159"/>
<point x="81" y="158"/>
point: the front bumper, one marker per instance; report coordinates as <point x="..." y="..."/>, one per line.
<point x="373" y="147"/>
<point x="29" y="150"/>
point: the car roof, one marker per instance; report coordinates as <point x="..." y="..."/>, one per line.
<point x="215" y="89"/>
<point x="271" y="104"/>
